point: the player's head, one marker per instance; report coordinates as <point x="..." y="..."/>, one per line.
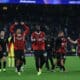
<point x="18" y="31"/>
<point x="2" y="33"/>
<point x="61" y="34"/>
<point x="37" y="27"/>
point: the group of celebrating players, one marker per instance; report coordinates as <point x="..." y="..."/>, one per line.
<point x="42" y="47"/>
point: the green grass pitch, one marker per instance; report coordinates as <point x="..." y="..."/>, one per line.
<point x="72" y="66"/>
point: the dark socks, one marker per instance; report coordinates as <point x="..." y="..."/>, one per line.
<point x="24" y="61"/>
<point x="4" y="64"/>
<point x="19" y="67"/>
<point x="62" y="68"/>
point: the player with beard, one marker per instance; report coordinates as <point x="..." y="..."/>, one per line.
<point x="3" y="51"/>
<point x="60" y="46"/>
<point x="38" y="46"/>
<point x="19" y="43"/>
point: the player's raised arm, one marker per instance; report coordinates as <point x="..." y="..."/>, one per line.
<point x="72" y="41"/>
<point x="12" y="27"/>
<point x="26" y="28"/>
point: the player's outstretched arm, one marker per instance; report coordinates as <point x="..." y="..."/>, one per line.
<point x="26" y="28"/>
<point x="72" y="41"/>
<point x="13" y="26"/>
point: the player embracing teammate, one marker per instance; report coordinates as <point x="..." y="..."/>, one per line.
<point x="61" y="43"/>
<point x="19" y="43"/>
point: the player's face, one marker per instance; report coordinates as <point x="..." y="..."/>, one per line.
<point x="61" y="34"/>
<point x="2" y="34"/>
<point x="18" y="31"/>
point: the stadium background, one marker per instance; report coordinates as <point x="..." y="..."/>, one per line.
<point x="42" y="1"/>
<point x="52" y="19"/>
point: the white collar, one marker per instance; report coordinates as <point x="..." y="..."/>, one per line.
<point x="37" y="32"/>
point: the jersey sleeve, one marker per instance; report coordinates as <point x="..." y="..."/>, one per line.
<point x="26" y="28"/>
<point x="12" y="28"/>
<point x="32" y="37"/>
<point x="43" y="36"/>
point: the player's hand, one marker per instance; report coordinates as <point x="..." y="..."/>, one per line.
<point x="22" y="23"/>
<point x="16" y="23"/>
<point x="25" y="51"/>
<point x="68" y="38"/>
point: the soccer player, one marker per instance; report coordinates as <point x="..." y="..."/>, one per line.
<point x="38" y="46"/>
<point x="49" y="50"/>
<point x="60" y="46"/>
<point x="77" y="41"/>
<point x="3" y="51"/>
<point x="19" y="43"/>
<point x="10" y="52"/>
